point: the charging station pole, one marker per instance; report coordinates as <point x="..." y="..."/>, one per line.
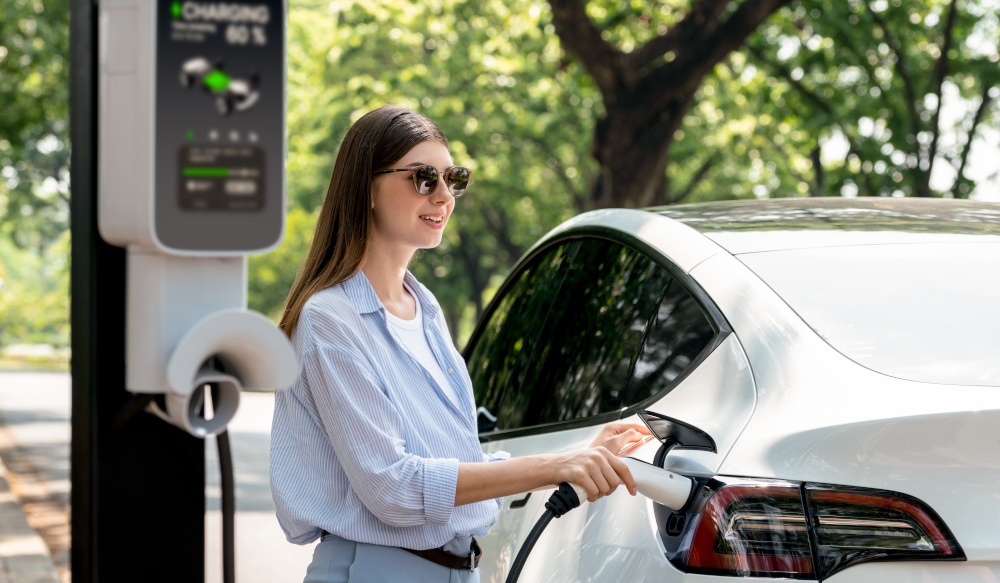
<point x="138" y="491"/>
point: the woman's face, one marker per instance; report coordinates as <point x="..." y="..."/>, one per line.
<point x="405" y="221"/>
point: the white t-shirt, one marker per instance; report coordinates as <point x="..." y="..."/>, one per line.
<point x="411" y="333"/>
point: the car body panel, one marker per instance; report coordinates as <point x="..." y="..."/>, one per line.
<point x="514" y="524"/>
<point x="679" y="243"/>
<point x="750" y="226"/>
<point x="920" y="572"/>
<point x="890" y="572"/>
<point x="617" y="534"/>
<point x="609" y="540"/>
<point x="938" y="443"/>
<point x="717" y="397"/>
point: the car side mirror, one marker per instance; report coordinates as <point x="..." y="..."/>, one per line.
<point x="675" y="434"/>
<point x="485" y="420"/>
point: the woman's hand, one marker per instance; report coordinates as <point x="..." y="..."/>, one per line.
<point x="595" y="469"/>
<point x="615" y="436"/>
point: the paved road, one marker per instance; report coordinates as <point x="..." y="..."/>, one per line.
<point x="34" y="443"/>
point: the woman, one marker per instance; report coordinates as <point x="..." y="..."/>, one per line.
<point x="375" y="448"/>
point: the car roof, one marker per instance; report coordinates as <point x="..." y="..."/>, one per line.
<point x="749" y="226"/>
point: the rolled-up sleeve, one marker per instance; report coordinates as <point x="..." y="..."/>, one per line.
<point x="365" y="431"/>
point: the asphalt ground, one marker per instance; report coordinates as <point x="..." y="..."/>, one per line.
<point x="35" y="488"/>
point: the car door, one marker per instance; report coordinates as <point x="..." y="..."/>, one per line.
<point x="551" y="360"/>
<point x="586" y="331"/>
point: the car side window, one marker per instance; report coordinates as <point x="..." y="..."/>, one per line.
<point x="505" y="342"/>
<point x="583" y="342"/>
<point x="677" y="335"/>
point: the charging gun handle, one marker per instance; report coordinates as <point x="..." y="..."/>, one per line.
<point x="660" y="485"/>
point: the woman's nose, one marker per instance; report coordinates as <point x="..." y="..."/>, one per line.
<point x="441" y="192"/>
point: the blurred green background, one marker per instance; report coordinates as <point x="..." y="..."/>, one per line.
<point x="551" y="103"/>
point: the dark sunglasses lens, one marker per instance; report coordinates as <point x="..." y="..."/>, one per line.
<point x="425" y="179"/>
<point x="458" y="180"/>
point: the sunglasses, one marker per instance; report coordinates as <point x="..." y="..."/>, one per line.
<point x="425" y="179"/>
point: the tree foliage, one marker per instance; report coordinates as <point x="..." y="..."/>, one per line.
<point x="819" y="103"/>
<point x="34" y="125"/>
<point x="649" y="84"/>
<point x="34" y="294"/>
<point x="880" y="95"/>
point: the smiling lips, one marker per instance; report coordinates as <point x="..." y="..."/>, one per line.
<point x="437" y="220"/>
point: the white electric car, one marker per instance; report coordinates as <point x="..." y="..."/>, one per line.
<point x="843" y="354"/>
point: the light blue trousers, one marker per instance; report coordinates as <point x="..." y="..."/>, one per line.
<point x="338" y="560"/>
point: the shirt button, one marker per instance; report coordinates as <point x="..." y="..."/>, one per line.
<point x="451" y="371"/>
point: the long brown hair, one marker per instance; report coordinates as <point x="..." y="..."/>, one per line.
<point x="340" y="243"/>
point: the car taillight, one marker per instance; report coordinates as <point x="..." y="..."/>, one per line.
<point x="770" y="528"/>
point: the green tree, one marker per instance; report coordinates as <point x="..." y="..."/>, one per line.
<point x="34" y="294"/>
<point x="872" y="78"/>
<point x="34" y="91"/>
<point x="818" y="103"/>
<point x="274" y="273"/>
<point x="648" y="59"/>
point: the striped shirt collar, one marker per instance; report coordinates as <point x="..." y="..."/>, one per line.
<point x="364" y="299"/>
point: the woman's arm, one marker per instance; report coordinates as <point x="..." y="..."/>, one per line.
<point x="597" y="469"/>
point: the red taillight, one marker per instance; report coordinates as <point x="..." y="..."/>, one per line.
<point x="753" y="529"/>
<point x="768" y="528"/>
<point x="854" y="525"/>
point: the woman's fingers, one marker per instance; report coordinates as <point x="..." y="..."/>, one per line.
<point x="623" y="439"/>
<point x="599" y="472"/>
<point x="621" y="469"/>
<point x="604" y="487"/>
<point x="611" y="477"/>
<point x="615" y="436"/>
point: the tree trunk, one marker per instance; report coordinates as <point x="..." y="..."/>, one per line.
<point x="647" y="92"/>
<point x="632" y="149"/>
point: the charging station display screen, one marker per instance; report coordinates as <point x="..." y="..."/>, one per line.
<point x="220" y="107"/>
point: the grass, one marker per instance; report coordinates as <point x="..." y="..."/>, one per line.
<point x="54" y="363"/>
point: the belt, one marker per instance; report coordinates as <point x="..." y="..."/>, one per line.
<point x="450" y="560"/>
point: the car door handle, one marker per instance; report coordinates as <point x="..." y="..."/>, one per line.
<point x="522" y="502"/>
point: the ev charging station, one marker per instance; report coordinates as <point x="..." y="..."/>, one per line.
<point x="183" y="103"/>
<point x="191" y="180"/>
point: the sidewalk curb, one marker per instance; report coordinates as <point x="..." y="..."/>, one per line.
<point x="24" y="558"/>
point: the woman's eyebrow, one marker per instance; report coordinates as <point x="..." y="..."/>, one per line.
<point x="416" y="164"/>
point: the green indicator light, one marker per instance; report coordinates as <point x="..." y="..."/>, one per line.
<point x="213" y="172"/>
<point x="190" y="134"/>
<point x="175" y="9"/>
<point x="217" y="81"/>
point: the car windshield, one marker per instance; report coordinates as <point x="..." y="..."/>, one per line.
<point x="923" y="312"/>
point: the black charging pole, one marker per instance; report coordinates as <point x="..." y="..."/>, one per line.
<point x="138" y="484"/>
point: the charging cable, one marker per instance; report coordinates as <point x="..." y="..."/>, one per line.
<point x="564" y="499"/>
<point x="659" y="485"/>
<point x="228" y="483"/>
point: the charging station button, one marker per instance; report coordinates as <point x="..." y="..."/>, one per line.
<point x="241" y="187"/>
<point x="220" y="178"/>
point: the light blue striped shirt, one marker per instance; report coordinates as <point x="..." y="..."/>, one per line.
<point x="366" y="445"/>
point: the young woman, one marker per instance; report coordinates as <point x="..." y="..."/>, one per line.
<point x="375" y="448"/>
